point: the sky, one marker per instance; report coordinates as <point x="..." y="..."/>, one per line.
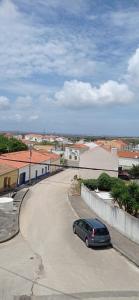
<point x="70" y="66"/>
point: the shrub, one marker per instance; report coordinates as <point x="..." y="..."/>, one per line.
<point x="104" y="182"/>
<point x="90" y="183"/>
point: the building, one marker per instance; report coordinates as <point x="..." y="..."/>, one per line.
<point x="72" y="154"/>
<point x="100" y="160"/>
<point x="8" y="177"/>
<point x="128" y="158"/>
<point x="32" y="137"/>
<point x="109" y="144"/>
<point x="54" y="160"/>
<point x="28" y="163"/>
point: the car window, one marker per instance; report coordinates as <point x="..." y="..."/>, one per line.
<point x="81" y="223"/>
<point x="101" y="231"/>
<point x="88" y="227"/>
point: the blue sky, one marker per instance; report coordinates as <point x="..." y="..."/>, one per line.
<point x="70" y="66"/>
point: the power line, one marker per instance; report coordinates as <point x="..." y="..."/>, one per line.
<point x="57" y="165"/>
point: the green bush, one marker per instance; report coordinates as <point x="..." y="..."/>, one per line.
<point x="90" y="183"/>
<point x="104" y="182"/>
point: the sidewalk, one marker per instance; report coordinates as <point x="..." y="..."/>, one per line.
<point x="9" y="220"/>
<point x="121" y="243"/>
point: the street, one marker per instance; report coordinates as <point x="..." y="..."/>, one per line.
<point x="48" y="259"/>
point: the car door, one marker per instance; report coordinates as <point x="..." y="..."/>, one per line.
<point x="83" y="230"/>
<point x="80" y="228"/>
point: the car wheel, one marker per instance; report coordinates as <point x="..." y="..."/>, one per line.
<point x="74" y="229"/>
<point x="87" y="243"/>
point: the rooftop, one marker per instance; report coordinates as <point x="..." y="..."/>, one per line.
<point x="22" y="158"/>
<point x="128" y="154"/>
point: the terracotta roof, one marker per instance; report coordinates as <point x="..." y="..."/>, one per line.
<point x="49" y="155"/>
<point x="22" y="156"/>
<point x="111" y="143"/>
<point x="128" y="154"/>
<point x="79" y="146"/>
<point x="4" y="169"/>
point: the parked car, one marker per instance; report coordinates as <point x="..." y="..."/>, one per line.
<point x="124" y="175"/>
<point x="92" y="231"/>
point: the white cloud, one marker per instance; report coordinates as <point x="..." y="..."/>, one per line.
<point x="24" y="102"/>
<point x="33" y="118"/>
<point x="133" y="68"/>
<point x="28" y="48"/>
<point x="4" y="103"/>
<point x="78" y="94"/>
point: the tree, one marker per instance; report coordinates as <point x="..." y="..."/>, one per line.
<point x="134" y="171"/>
<point x="11" y="145"/>
<point x="104" y="182"/>
<point x="117" y="190"/>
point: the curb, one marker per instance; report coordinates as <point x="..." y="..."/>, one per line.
<point x="123" y="253"/>
<point x="18" y="229"/>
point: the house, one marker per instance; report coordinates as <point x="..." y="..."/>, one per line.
<point x="72" y="153"/>
<point x="54" y="160"/>
<point x="128" y="158"/>
<point x="28" y="163"/>
<point x="100" y="160"/>
<point x="109" y="144"/>
<point x="32" y="137"/>
<point x="8" y="177"/>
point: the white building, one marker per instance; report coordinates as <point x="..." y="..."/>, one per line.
<point x="100" y="160"/>
<point x="128" y="158"/>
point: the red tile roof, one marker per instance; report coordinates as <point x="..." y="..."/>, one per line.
<point x="49" y="155"/>
<point x="22" y="158"/>
<point x="79" y="146"/>
<point x="128" y="154"/>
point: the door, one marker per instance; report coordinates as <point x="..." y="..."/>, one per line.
<point x="22" y="178"/>
<point x="81" y="229"/>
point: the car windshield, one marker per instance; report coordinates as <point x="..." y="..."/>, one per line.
<point x="101" y="231"/>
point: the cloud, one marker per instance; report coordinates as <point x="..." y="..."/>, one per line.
<point x="33" y="118"/>
<point x="28" y="48"/>
<point x="133" y="68"/>
<point x="24" y="102"/>
<point x="78" y="94"/>
<point x="4" y="103"/>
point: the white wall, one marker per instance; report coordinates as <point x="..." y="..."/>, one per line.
<point x="33" y="170"/>
<point x="128" y="162"/>
<point x="72" y="154"/>
<point x="114" y="216"/>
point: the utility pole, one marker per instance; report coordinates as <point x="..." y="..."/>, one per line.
<point x="30" y="155"/>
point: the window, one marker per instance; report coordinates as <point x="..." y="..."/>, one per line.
<point x="70" y="156"/>
<point x="87" y="227"/>
<point x="81" y="223"/>
<point x="75" y="157"/>
<point x="42" y="170"/>
<point x="36" y="173"/>
<point x="45" y="169"/>
<point x="101" y="231"/>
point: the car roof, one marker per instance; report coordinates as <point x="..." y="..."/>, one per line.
<point x="95" y="223"/>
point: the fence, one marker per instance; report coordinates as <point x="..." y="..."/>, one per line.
<point x="113" y="215"/>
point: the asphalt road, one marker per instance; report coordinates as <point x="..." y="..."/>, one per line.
<point x="48" y="259"/>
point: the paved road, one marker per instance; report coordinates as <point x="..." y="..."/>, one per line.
<point x="50" y="260"/>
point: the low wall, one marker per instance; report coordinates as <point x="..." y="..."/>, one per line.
<point x="114" y="216"/>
